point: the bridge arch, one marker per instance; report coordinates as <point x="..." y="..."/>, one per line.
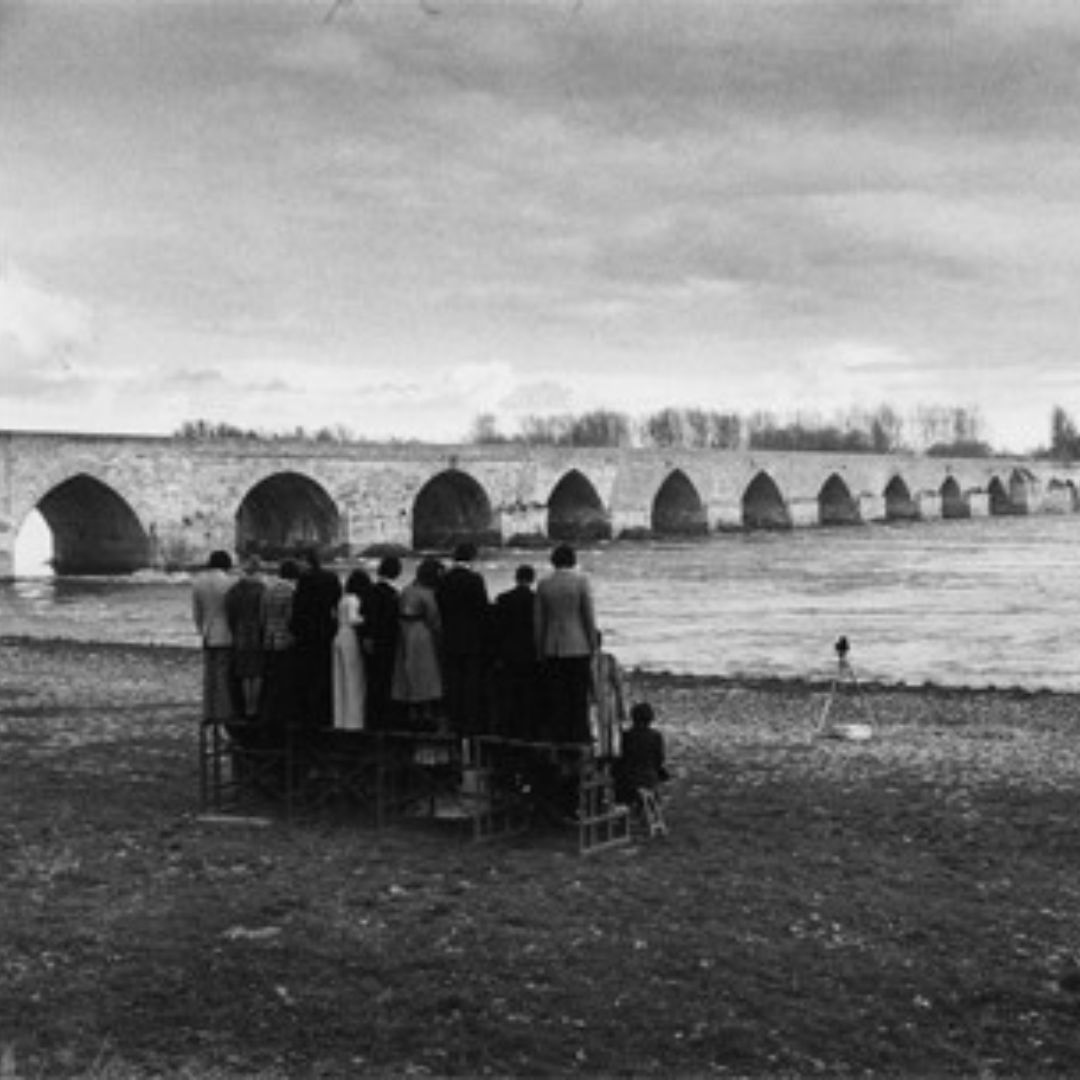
<point x="452" y="508"/>
<point x="953" y="503"/>
<point x="899" y="505"/>
<point x="836" y="504"/>
<point x="284" y="513"/>
<point x="677" y="509"/>
<point x="94" y="529"/>
<point x="999" y="497"/>
<point x="576" y="511"/>
<point x="763" y="505"/>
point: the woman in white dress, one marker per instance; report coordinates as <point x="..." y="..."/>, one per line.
<point x="350" y="689"/>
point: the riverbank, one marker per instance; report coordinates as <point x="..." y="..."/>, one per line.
<point x="903" y="906"/>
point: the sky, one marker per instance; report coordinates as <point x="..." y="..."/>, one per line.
<point x="395" y="215"/>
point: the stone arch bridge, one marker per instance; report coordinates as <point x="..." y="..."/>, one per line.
<point x="116" y="504"/>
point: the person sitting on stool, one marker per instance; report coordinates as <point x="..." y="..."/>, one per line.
<point x="641" y="761"/>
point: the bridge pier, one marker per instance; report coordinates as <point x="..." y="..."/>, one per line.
<point x="804" y="513"/>
<point x="872" y="507"/>
<point x="631" y="521"/>
<point x="724" y="516"/>
<point x="979" y="503"/>
<point x="928" y="506"/>
<point x="523" y="524"/>
<point x="1057" y="499"/>
<point x="384" y="530"/>
<point x="219" y="537"/>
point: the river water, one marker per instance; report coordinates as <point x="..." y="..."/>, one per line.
<point x="986" y="602"/>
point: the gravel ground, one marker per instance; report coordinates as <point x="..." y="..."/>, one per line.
<point x="902" y="905"/>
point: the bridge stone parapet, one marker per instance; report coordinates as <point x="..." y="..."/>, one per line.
<point x="117" y="503"/>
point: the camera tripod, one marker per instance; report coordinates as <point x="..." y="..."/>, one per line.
<point x="845" y="683"/>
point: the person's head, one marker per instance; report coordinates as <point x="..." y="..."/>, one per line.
<point x="389" y="568"/>
<point x="252" y="565"/>
<point x="642" y="714"/>
<point x="219" y="560"/>
<point x="358" y="582"/>
<point x="311" y="559"/>
<point x="465" y="552"/>
<point x="524" y="574"/>
<point x="428" y="572"/>
<point x="289" y="570"/>
<point x="563" y="557"/>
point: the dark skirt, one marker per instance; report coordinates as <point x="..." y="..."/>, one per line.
<point x="218" y="700"/>
<point x="281" y="697"/>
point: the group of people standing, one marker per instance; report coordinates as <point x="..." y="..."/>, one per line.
<point x="299" y="647"/>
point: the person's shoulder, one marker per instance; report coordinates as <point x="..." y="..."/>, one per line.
<point x="382" y="594"/>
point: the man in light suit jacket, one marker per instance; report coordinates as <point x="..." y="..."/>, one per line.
<point x="211" y="621"/>
<point x="566" y="639"/>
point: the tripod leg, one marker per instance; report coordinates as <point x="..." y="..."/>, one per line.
<point x="823" y="720"/>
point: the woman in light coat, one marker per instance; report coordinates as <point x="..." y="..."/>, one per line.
<point x="418" y="682"/>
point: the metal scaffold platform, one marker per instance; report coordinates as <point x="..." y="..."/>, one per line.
<point x="493" y="787"/>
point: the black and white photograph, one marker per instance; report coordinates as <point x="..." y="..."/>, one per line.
<point x="539" y="538"/>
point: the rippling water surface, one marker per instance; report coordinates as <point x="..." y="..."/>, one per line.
<point x="977" y="603"/>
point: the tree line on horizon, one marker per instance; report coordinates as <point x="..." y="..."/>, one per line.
<point x="942" y="431"/>
<point x="220" y="431"/>
<point x="1064" y="437"/>
<point x="935" y="430"/>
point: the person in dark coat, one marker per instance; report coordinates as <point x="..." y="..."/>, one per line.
<point x="379" y="639"/>
<point x="466" y="623"/>
<point x="313" y="625"/>
<point x="515" y="656"/>
<point x="280" y="689"/>
<point x="243" y="608"/>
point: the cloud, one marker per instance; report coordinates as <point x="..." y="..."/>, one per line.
<point x="397" y="221"/>
<point x="335" y="50"/>
<point x="538" y="398"/>
<point x="38" y="324"/>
